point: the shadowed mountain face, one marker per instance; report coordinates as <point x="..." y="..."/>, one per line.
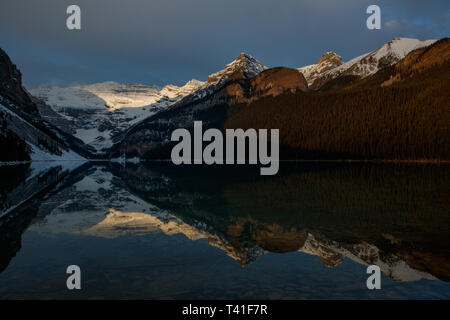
<point x="11" y="92"/>
<point x="24" y="134"/>
<point x="11" y="86"/>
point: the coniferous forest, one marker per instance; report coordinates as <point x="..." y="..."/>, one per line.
<point x="406" y="120"/>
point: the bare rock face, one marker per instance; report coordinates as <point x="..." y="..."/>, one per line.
<point x="277" y="81"/>
<point x="271" y="82"/>
<point x="331" y="59"/>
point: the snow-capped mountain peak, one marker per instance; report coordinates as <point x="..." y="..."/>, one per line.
<point x="331" y="58"/>
<point x="327" y="62"/>
<point x="247" y="65"/>
<point x="400" y="47"/>
<point x="386" y="55"/>
<point x="365" y="64"/>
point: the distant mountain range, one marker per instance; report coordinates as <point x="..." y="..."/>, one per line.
<point x="108" y="120"/>
<point x="97" y="113"/>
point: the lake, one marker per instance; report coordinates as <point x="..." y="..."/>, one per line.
<point x="158" y="231"/>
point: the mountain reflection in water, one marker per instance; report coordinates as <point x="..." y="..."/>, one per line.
<point x="395" y="216"/>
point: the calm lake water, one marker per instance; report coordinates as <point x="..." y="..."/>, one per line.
<point x="154" y="231"/>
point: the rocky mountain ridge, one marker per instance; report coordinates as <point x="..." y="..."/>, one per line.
<point x="24" y="135"/>
<point x="366" y="64"/>
<point x="328" y="61"/>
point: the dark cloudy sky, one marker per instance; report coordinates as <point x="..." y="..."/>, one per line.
<point x="173" y="41"/>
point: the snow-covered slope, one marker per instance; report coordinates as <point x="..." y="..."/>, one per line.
<point x="40" y="154"/>
<point x="40" y="146"/>
<point x="366" y="64"/>
<point x="98" y="112"/>
<point x="386" y="55"/>
<point x="111" y="95"/>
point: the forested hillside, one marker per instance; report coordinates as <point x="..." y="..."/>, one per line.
<point x="402" y="112"/>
